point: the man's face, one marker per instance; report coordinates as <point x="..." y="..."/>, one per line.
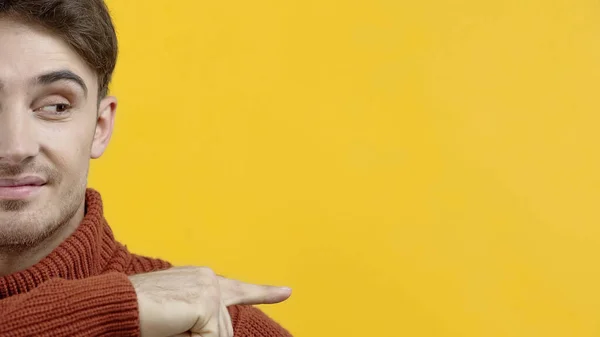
<point x="50" y="127"/>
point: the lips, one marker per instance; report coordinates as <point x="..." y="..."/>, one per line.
<point x="25" y="181"/>
<point x="20" y="188"/>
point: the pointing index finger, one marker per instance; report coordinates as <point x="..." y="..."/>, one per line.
<point x="236" y="292"/>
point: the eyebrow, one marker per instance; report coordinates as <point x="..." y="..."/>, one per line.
<point x="61" y="75"/>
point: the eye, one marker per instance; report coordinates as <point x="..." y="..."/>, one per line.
<point x="55" y="109"/>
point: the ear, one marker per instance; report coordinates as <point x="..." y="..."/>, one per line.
<point x="104" y="125"/>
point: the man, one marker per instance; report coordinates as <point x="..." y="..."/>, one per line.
<point x="61" y="271"/>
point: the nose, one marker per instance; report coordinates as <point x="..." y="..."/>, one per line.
<point x="17" y="138"/>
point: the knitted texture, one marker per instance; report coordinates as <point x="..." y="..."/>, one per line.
<point x="82" y="289"/>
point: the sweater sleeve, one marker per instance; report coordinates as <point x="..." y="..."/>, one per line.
<point x="249" y="321"/>
<point x="104" y="305"/>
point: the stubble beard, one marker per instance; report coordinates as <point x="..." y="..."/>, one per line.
<point x="30" y="228"/>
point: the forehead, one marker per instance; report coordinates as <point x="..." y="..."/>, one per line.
<point x="28" y="51"/>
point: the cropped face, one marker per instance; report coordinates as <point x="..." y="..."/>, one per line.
<point x="51" y="124"/>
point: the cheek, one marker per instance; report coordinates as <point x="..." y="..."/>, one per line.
<point x="67" y="148"/>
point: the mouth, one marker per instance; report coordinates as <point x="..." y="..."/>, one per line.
<point x="20" y="188"/>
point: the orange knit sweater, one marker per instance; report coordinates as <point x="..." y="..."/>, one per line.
<point x="82" y="289"/>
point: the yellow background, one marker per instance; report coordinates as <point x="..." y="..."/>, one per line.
<point x="410" y="168"/>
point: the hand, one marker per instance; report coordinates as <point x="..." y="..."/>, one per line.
<point x="186" y="301"/>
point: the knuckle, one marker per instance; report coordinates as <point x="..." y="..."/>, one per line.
<point x="237" y="290"/>
<point x="206" y="272"/>
<point x="208" y="285"/>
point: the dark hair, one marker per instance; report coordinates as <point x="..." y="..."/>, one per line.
<point x="84" y="24"/>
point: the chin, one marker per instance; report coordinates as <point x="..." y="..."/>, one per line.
<point x="23" y="229"/>
<point x="27" y="222"/>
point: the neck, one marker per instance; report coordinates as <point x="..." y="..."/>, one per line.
<point x="16" y="260"/>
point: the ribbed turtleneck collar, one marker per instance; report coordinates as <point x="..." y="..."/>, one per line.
<point x="86" y="252"/>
